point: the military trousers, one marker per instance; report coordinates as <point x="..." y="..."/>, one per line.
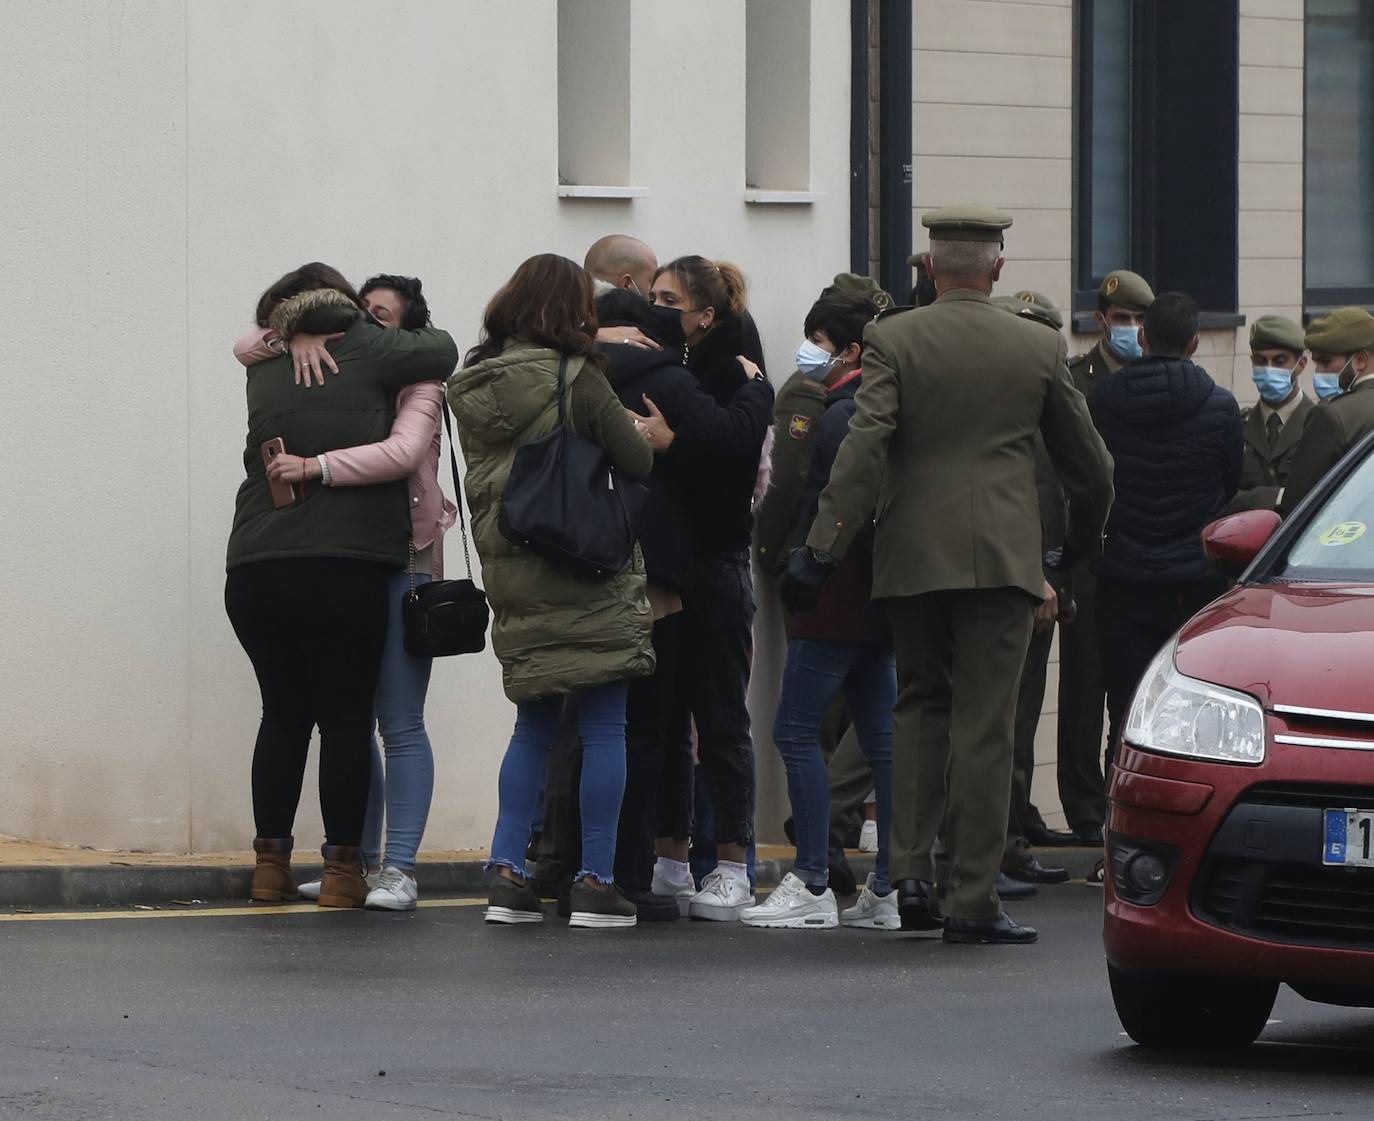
<point x="1030" y="699"/>
<point x="960" y="655"/>
<point x="1082" y="697"/>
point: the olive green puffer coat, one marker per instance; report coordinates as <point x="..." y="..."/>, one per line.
<point x="553" y="632"/>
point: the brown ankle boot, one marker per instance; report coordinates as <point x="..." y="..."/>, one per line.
<point x="272" y="882"/>
<point x="343" y="884"/>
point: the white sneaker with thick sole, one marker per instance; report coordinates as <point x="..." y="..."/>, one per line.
<point x="395" y="891"/>
<point x="873" y="912"/>
<point x="311" y="890"/>
<point x="791" y="906"/>
<point x="722" y="897"/>
<point x="681" y="890"/>
<point x="868" y="837"/>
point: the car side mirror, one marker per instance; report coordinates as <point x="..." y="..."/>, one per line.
<point x="1233" y="542"/>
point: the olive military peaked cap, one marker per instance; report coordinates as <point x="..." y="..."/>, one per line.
<point x="1344" y="331"/>
<point x="966" y="223"/>
<point x="852" y="284"/>
<point x="1126" y="289"/>
<point x="1276" y="330"/>
<point x="1032" y="305"/>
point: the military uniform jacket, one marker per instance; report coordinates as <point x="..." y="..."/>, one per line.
<point x="1086" y="368"/>
<point x="943" y="447"/>
<point x="1331" y="430"/>
<point x="1264" y="470"/>
<point x="796" y="419"/>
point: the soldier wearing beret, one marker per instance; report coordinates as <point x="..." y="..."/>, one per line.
<point x="1274" y="426"/>
<point x="1122" y="299"/>
<point x="942" y="448"/>
<point x="1342" y="344"/>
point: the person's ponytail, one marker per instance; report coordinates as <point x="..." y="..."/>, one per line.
<point x="734" y="288"/>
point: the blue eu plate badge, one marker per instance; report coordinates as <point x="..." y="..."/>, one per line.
<point x="1333" y="851"/>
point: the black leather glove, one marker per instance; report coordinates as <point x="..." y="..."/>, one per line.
<point x="807" y="571"/>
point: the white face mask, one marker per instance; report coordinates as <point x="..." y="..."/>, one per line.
<point x="813" y="361"/>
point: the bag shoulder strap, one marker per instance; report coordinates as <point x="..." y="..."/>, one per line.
<point x="457" y="486"/>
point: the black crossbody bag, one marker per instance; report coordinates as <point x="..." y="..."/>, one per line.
<point x="446" y="617"/>
<point x="562" y="502"/>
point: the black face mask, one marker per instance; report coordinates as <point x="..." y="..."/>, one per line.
<point x="665" y="325"/>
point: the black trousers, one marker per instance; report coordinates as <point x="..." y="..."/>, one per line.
<point x="717" y="653"/>
<point x="313" y="628"/>
<point x="1134" y="619"/>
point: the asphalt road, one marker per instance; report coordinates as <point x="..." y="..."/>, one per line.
<point x="294" y="1014"/>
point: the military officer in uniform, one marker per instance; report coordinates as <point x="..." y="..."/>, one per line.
<point x="1122" y="299"/>
<point x="942" y="448"/>
<point x="1274" y="426"/>
<point x="1342" y="344"/>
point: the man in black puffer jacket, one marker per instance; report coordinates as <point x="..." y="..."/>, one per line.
<point x="1175" y="436"/>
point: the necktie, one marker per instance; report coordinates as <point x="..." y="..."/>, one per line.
<point x="1272" y="427"/>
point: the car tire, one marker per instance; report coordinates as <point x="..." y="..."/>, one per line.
<point x="1175" y="1012"/>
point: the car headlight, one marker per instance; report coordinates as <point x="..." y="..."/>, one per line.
<point x="1182" y="716"/>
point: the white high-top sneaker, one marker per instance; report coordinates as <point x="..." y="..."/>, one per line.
<point x="681" y="890"/>
<point x="722" y="897"/>
<point x="873" y="912"/>
<point x="868" y="837"/>
<point x="792" y="906"/>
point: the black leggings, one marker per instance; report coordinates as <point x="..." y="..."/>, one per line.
<point x="313" y="628"/>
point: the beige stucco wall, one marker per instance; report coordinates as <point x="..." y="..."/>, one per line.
<point x="162" y="162"/>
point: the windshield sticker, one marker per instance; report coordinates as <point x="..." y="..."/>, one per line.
<point x="1343" y="533"/>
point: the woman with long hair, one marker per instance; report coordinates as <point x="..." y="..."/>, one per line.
<point x="309" y="568"/>
<point x="557" y="635"/>
<point x="402" y="788"/>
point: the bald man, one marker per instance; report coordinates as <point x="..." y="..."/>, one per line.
<point x="622" y="262"/>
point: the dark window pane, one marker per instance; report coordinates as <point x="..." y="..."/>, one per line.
<point x="1111" y="136"/>
<point x="1340" y="144"/>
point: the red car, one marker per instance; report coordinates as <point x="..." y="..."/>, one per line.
<point x="1239" y="847"/>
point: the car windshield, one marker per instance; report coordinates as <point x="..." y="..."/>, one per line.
<point x="1336" y="544"/>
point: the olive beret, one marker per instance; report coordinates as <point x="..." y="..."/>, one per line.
<point x="1344" y="331"/>
<point x="966" y="223"/>
<point x="852" y="284"/>
<point x="1126" y="289"/>
<point x="1276" y="330"/>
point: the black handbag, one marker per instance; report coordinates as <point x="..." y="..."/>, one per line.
<point x="446" y="617"/>
<point x="561" y="502"/>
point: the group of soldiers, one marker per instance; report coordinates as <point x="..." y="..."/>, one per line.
<point x="974" y="450"/>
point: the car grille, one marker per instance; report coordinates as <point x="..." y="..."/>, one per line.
<point x="1302" y="904"/>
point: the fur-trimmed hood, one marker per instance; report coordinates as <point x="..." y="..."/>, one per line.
<point x="320" y="311"/>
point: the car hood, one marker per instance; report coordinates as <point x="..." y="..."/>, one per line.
<point x="1306" y="645"/>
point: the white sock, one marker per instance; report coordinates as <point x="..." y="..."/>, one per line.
<point x="675" y="871"/>
<point x="739" y="871"/>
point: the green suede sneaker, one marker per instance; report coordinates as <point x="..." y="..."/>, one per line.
<point x="599" y="907"/>
<point x="510" y="903"/>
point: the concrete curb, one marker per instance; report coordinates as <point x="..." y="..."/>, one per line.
<point x="104" y="885"/>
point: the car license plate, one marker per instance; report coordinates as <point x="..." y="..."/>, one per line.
<point x="1348" y="841"/>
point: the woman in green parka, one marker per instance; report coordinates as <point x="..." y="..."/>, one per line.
<point x="555" y="634"/>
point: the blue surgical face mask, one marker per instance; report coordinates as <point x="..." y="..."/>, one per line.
<point x="813" y="361"/>
<point x="1327" y="385"/>
<point x="1274" y="384"/>
<point x="1125" y="340"/>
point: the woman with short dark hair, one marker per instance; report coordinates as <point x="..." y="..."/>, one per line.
<point x="309" y="568"/>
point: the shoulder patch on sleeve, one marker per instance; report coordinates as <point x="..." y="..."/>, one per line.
<point x="798" y="426"/>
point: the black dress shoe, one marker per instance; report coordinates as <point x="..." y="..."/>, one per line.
<point x="1031" y="871"/>
<point x="1007" y="888"/>
<point x="654" y="908"/>
<point x="1088" y="836"/>
<point x="1042" y="836"/>
<point x="1001" y="931"/>
<point x="842" y="880"/>
<point x="918" y="906"/>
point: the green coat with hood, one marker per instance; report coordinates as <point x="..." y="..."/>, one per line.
<point x="553" y="632"/>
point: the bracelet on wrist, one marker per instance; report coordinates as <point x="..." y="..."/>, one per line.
<point x="325" y="477"/>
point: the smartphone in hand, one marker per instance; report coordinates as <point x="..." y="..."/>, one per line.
<point x="283" y="493"/>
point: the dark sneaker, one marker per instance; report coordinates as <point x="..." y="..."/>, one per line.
<point x="654" y="908"/>
<point x="510" y="903"/>
<point x="598" y="907"/>
<point x="842" y="878"/>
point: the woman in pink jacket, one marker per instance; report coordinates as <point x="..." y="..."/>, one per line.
<point x="410" y="452"/>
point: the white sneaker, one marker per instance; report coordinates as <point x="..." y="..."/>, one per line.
<point x="681" y="890"/>
<point x="311" y="890"/>
<point x="868" y="837"/>
<point x="722" y="897"/>
<point x="791" y="906"/>
<point x="395" y="890"/>
<point x="873" y="912"/>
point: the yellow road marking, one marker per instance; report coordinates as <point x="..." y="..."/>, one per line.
<point x="216" y="912"/>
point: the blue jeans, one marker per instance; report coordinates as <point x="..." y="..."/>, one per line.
<point x="601" y="723"/>
<point x="406" y="787"/>
<point x="816" y="672"/>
